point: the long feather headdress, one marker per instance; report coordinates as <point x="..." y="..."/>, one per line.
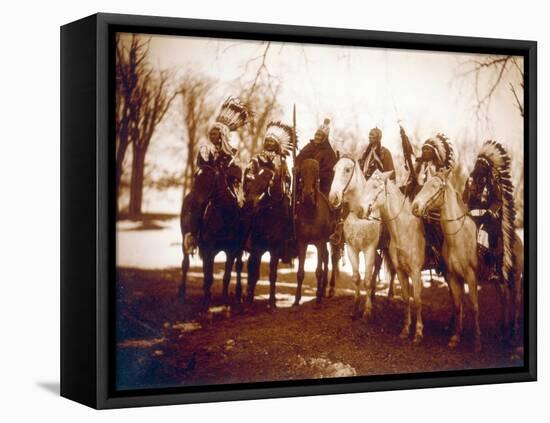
<point x="282" y="134"/>
<point x="494" y="154"/>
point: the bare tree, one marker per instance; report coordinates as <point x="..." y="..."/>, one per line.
<point x="196" y="111"/>
<point x="261" y="99"/>
<point x="131" y="66"/>
<point x="489" y="72"/>
<point x="152" y="102"/>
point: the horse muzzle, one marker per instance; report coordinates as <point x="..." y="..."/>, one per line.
<point x="335" y="199"/>
<point x="418" y="210"/>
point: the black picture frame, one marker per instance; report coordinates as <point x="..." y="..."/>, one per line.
<point x="88" y="212"/>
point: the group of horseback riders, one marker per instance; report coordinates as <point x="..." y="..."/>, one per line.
<point x="280" y="142"/>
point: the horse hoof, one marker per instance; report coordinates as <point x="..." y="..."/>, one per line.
<point x="331" y="293"/>
<point x="477" y="346"/>
<point x="356" y="315"/>
<point x="404" y="334"/>
<point x="453" y="343"/>
<point x="296" y="303"/>
<point x="417" y="339"/>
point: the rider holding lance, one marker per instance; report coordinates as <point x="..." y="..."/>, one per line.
<point x="217" y="153"/>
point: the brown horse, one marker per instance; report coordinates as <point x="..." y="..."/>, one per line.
<point x="314" y="224"/>
<point x="267" y="213"/>
<point x="220" y="229"/>
<point x="459" y="247"/>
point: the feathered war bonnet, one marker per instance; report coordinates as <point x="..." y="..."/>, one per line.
<point x="282" y="134"/>
<point x="494" y="156"/>
<point x="442" y="148"/>
<point x="233" y="114"/>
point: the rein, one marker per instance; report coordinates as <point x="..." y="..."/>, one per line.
<point x="441" y="193"/>
<point x="379" y="219"/>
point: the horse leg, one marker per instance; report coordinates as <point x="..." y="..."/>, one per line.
<point x="334" y="257"/>
<point x="457" y="291"/>
<point x="239" y="269"/>
<point x="404" y="281"/>
<point x="353" y="257"/>
<point x="375" y="277"/>
<point x="301" y="273"/>
<point x="472" y="289"/>
<point x="370" y="278"/>
<point x="325" y="269"/>
<point x="253" y="267"/>
<point x="504" y="296"/>
<point x="183" y="283"/>
<point x="230" y="259"/>
<point x="208" y="274"/>
<point x="274" y="261"/>
<point x="321" y="271"/>
<point x="417" y="294"/>
<point x="517" y="306"/>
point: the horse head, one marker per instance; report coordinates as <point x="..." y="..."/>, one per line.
<point x="205" y="183"/>
<point x="344" y="183"/>
<point x="259" y="187"/>
<point x="375" y="192"/>
<point x="309" y="179"/>
<point x="432" y="195"/>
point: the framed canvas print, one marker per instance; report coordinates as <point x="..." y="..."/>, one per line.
<point x="255" y="211"/>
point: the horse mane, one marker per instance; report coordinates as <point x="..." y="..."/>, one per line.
<point x="498" y="158"/>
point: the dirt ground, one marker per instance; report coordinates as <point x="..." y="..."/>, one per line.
<point x="163" y="342"/>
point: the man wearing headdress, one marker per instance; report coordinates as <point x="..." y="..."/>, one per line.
<point x="376" y="156"/>
<point x="278" y="144"/>
<point x="216" y="152"/>
<point x="319" y="149"/>
<point x="485" y="192"/>
<point x="437" y="155"/>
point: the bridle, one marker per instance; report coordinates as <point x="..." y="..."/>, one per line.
<point x="435" y="197"/>
<point x="351" y="176"/>
<point x="385" y="188"/>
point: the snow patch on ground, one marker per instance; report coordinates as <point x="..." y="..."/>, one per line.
<point x="324" y="367"/>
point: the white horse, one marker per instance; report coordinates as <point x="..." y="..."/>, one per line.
<point x="361" y="235"/>
<point x="407" y="240"/>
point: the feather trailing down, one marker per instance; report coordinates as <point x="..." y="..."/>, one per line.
<point x="499" y="160"/>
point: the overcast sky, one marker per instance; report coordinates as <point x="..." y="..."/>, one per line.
<point x="356" y="87"/>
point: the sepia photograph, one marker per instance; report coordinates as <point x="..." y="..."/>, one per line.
<point x="289" y="211"/>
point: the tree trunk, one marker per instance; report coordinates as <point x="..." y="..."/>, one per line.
<point x="136" y="183"/>
<point x="120" y="154"/>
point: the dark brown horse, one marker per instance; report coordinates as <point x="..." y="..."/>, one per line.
<point x="314" y="224"/>
<point x="268" y="212"/>
<point x="221" y="228"/>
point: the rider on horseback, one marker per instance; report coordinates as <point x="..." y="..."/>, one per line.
<point x="216" y="153"/>
<point x="319" y="149"/>
<point x="490" y="190"/>
<point x="278" y="144"/>
<point x="375" y="157"/>
<point x="437" y="155"/>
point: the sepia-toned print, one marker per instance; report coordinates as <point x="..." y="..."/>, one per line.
<point x="297" y="211"/>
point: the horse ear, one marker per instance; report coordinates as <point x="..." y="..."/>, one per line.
<point x="387" y="175"/>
